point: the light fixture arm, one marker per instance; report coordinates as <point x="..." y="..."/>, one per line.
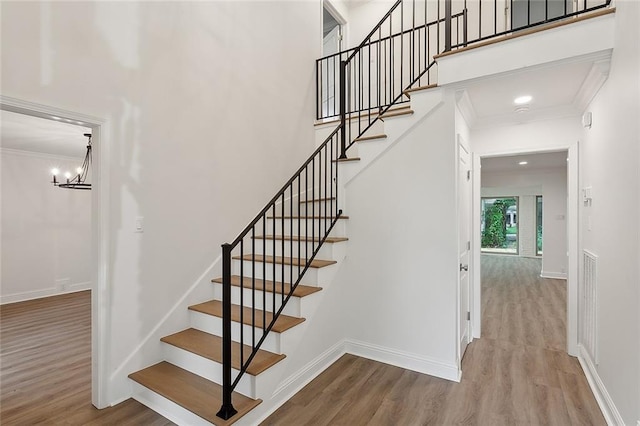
<point x="79" y="180"/>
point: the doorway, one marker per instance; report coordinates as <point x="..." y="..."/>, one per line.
<point x="332" y="36"/>
<point x="99" y="232"/>
<point x="515" y="178"/>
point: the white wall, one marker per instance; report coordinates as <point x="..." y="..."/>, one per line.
<point x="401" y="268"/>
<point x="552" y="185"/>
<point x="46" y="231"/>
<point x="610" y="164"/>
<point x="209" y="109"/>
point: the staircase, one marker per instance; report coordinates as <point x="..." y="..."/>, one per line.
<point x="187" y="381"/>
<point x="230" y="359"/>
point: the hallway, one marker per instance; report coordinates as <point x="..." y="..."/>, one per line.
<point x="517" y="373"/>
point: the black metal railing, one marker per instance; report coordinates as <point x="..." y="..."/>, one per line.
<point x="493" y="18"/>
<point x="397" y="54"/>
<point x="358" y="86"/>
<point x="291" y="228"/>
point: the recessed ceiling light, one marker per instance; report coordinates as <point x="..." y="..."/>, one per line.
<point x="521" y="100"/>
<point x="523" y="163"/>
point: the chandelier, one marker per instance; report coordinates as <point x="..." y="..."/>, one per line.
<point x="77" y="181"/>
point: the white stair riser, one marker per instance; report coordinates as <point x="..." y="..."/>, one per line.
<point x="210" y="370"/>
<point x="306" y="228"/>
<point x="319" y="208"/>
<point x="313" y="276"/>
<point x="251" y="386"/>
<point x="292" y="248"/>
<point x="293" y="307"/>
<point x="165" y="407"/>
<point x="213" y="325"/>
<point x="323" y="132"/>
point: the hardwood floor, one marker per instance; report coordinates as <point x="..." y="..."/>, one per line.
<point x="517" y="373"/>
<point x="45" y="367"/>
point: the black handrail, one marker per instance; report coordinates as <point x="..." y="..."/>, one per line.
<point x="526" y="21"/>
<point x="403" y="59"/>
<point x="317" y="178"/>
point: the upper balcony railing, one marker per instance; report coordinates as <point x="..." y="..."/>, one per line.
<point x="399" y="53"/>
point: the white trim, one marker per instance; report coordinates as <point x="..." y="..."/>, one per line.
<point x="572" y="231"/>
<point x="34" y="154"/>
<point x="39" y="294"/>
<point x="476" y="311"/>
<point x="295" y="382"/>
<point x="292" y="384"/>
<point x="605" y="402"/>
<point x="596" y="77"/>
<point x="553" y="275"/>
<point x="404" y="360"/>
<point x="573" y="246"/>
<point x="100" y="300"/>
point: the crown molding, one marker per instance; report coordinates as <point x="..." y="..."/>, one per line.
<point x="592" y="83"/>
<point x="466" y="107"/>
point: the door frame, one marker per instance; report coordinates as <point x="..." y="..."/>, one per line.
<point x="100" y="314"/>
<point x="573" y="237"/>
<point x="461" y="143"/>
<point x="342" y="22"/>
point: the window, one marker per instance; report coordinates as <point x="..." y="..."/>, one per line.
<point x="539" y="225"/>
<point x="500" y="225"/>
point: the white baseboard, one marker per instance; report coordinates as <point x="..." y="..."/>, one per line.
<point x="293" y="384"/>
<point x="554" y="275"/>
<point x="46" y="292"/>
<point x="405" y="360"/>
<point x="609" y="411"/>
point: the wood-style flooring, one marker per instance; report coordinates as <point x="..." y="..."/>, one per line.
<point x="518" y="373"/>
<point x="45" y="367"/>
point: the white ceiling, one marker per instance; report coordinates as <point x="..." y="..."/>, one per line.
<point x="33" y="134"/>
<point x="534" y="162"/>
<point x="558" y="91"/>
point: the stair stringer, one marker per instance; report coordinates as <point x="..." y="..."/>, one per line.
<point x="422" y="104"/>
<point x="149" y="350"/>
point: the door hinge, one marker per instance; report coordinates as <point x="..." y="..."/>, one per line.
<point x="468" y="316"/>
<point x="468" y="174"/>
<point x="468" y="245"/>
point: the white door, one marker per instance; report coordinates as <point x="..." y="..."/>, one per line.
<point x="464" y="243"/>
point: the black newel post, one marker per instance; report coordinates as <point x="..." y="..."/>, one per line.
<point x="343" y="109"/>
<point x="226" y="411"/>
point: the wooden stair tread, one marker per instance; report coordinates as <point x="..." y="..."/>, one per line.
<point x="408" y="92"/>
<point x="214" y="308"/>
<point x="318" y="200"/>
<point x="370" y="138"/>
<point x="210" y="346"/>
<point x="197" y="394"/>
<point x="363" y="115"/>
<point x="302" y="238"/>
<point x="345" y="160"/>
<point x="315" y="263"/>
<point x="247" y="282"/>
<point x="306" y="217"/>
<point x="395" y="114"/>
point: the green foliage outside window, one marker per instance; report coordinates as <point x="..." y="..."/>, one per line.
<point x="495" y="229"/>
